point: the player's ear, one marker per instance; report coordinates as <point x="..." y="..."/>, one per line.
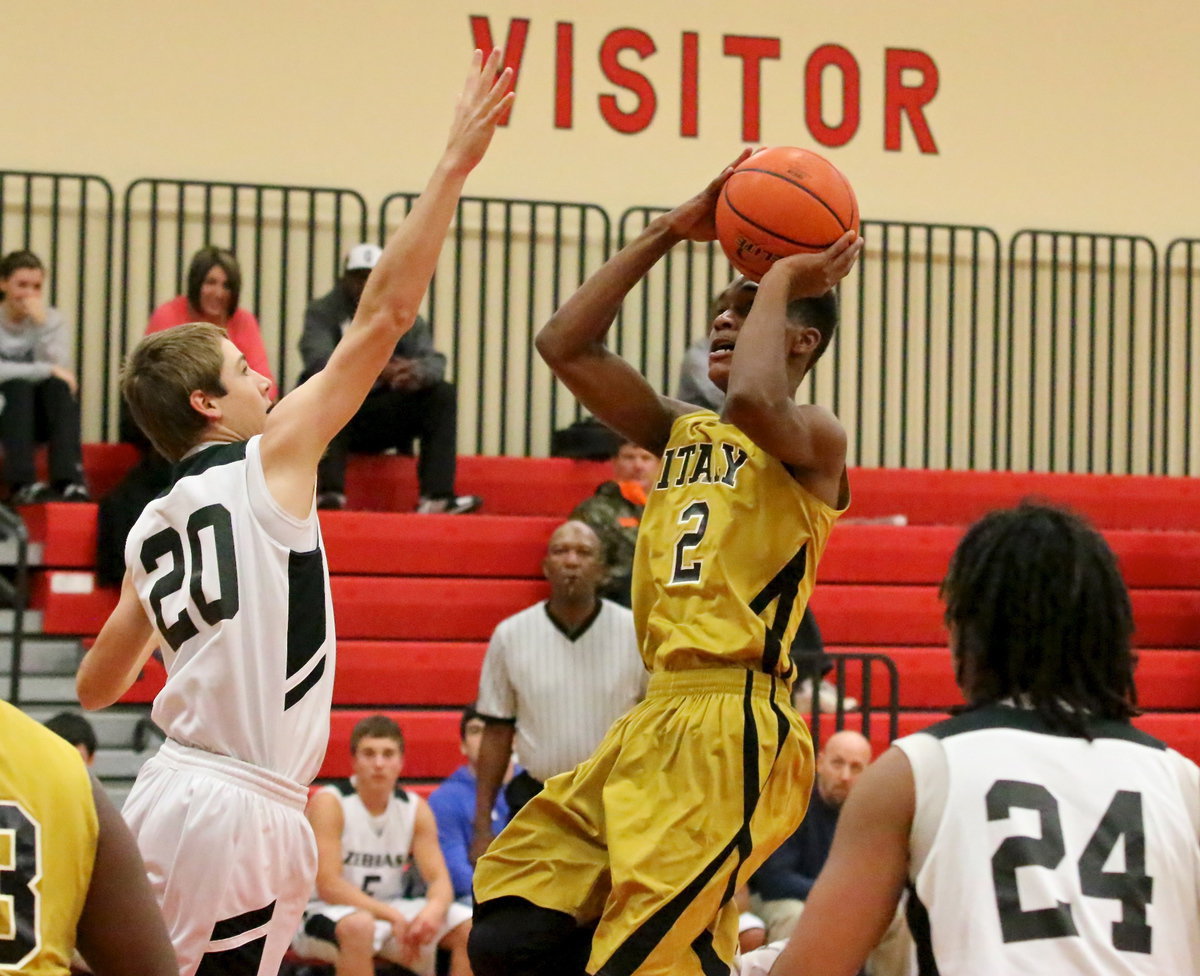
<point x="805" y="340"/>
<point x="205" y="404"/>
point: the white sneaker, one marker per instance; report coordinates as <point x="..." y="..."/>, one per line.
<point x="827" y="698"/>
<point x="458" y="505"/>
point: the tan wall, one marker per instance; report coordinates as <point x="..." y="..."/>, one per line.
<point x="1071" y="114"/>
<point x="1067" y="115"/>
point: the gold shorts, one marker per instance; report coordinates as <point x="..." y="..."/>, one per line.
<point x="681" y="802"/>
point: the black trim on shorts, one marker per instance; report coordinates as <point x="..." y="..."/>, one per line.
<point x="244" y="960"/>
<point x="321" y="927"/>
<point x="785" y="584"/>
<point x="917" y="917"/>
<point x="710" y="962"/>
<point x="631" y="953"/>
<point x="229" y="928"/>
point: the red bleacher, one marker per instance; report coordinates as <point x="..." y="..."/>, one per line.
<point x="416" y="597"/>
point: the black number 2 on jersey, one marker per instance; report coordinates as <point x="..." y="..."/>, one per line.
<point x="1133" y="888"/>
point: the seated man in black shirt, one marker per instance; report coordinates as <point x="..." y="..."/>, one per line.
<point x="410" y="401"/>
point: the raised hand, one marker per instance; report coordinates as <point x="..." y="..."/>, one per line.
<point x="485" y="97"/>
<point x="695" y="220"/>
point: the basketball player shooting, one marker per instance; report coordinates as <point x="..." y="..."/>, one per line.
<point x="629" y="862"/>
<point x="228" y="575"/>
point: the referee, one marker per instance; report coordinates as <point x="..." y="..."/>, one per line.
<point x="555" y="677"/>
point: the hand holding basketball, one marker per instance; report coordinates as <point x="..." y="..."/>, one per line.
<point x="810" y="275"/>
<point x="695" y="219"/>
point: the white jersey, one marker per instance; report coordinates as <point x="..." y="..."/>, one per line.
<point x="1041" y="853"/>
<point x="238" y="591"/>
<point x="375" y="848"/>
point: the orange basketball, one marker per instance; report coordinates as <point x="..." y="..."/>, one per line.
<point x="782" y="201"/>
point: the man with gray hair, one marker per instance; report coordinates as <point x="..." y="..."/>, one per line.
<point x="555" y="677"/>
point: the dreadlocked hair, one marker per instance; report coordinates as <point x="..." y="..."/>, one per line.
<point x="1040" y="613"/>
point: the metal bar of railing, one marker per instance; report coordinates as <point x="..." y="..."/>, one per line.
<point x="18" y="592"/>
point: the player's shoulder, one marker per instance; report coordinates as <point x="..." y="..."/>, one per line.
<point x="1003" y="717"/>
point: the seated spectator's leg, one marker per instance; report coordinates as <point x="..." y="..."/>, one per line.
<point x="514" y="937"/>
<point x="17" y="433"/>
<point x="452" y="936"/>
<point x="435" y="419"/>
<point x="356" y="945"/>
<point x="331" y="472"/>
<point x="57" y="417"/>
<point x="752" y="932"/>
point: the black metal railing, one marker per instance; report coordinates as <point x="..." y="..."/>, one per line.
<point x="67" y="220"/>
<point x="16" y="594"/>
<point x="1053" y="350"/>
<point x="1180" y="356"/>
<point x="874" y="704"/>
<point x="508" y="265"/>
<point x="290" y="242"/>
<point x="1082" y="354"/>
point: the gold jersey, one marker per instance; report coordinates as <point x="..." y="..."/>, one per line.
<point x="726" y="555"/>
<point x="48" y="832"/>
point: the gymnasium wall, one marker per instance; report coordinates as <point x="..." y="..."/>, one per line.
<point x="1009" y="115"/>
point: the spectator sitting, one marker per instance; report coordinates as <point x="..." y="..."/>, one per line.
<point x="453" y="806"/>
<point x="780" y="886"/>
<point x="78" y="731"/>
<point x="410" y="401"/>
<point x="555" y="678"/>
<point x="615" y="511"/>
<point x="38" y="387"/>
<point x="214" y="284"/>
<point x="365" y="830"/>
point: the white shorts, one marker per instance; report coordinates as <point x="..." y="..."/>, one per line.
<point x="315" y="940"/>
<point x="230" y="855"/>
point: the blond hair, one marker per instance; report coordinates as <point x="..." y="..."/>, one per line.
<point x="161" y="374"/>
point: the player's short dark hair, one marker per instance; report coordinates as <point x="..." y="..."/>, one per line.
<point x="18" y="260"/>
<point x="76" y="729"/>
<point x="820" y="313"/>
<point x="375" y="727"/>
<point x="1038" y="612"/>
<point x="470" y="713"/>
<point x="203" y="261"/>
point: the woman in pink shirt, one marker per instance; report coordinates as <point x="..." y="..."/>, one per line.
<point x="214" y="282"/>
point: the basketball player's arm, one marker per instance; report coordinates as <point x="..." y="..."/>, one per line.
<point x="495" y="753"/>
<point x="866" y="869"/>
<point x="760" y="400"/>
<point x="121" y="650"/>
<point x="306" y="420"/>
<point x="572" y="342"/>
<point x="120" y="930"/>
<point x="439" y="892"/>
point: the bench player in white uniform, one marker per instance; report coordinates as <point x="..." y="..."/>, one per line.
<point x="227" y="575"/>
<point x="1039" y="832"/>
<point x="366" y="829"/>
